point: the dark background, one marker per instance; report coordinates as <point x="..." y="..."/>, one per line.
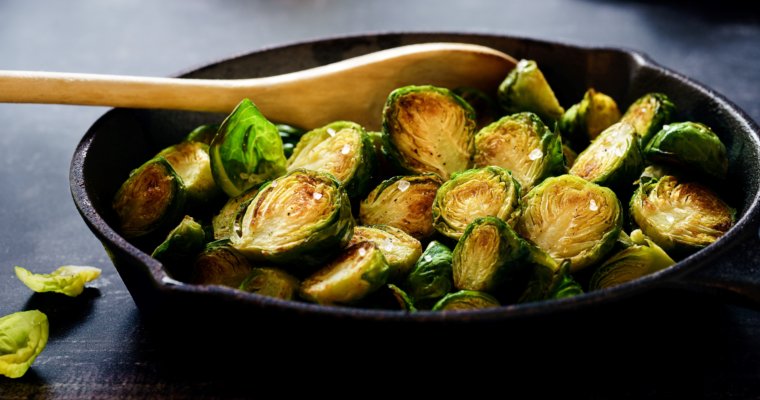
<point x="99" y="346"/>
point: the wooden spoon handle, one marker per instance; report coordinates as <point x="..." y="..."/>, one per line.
<point x="354" y="89"/>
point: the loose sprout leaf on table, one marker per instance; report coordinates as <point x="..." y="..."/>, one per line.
<point x="23" y="336"/>
<point x="68" y="279"/>
<point x="525" y="193"/>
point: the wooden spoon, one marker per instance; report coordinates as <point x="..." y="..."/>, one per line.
<point x="354" y="89"/>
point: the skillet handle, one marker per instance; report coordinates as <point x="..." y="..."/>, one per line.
<point x="735" y="275"/>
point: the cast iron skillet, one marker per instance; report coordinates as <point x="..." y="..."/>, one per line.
<point x="122" y="139"/>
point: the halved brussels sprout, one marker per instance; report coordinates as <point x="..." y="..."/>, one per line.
<point x="220" y="264"/>
<point x="550" y="283"/>
<point x="69" y="279"/>
<point x="648" y="114"/>
<point x="23" y="336"/>
<point x="431" y="277"/>
<point x="152" y="197"/>
<point x="690" y="146"/>
<point x="585" y="120"/>
<point x="486" y="109"/>
<point x="475" y="193"/>
<point x="192" y="163"/>
<point x="302" y="218"/>
<point x="632" y="263"/>
<point x="403" y="202"/>
<point x="613" y="159"/>
<point x="400" y="249"/>
<point x="526" y="89"/>
<point x="680" y="216"/>
<point x="464" y="300"/>
<point x="204" y="134"/>
<point x="429" y="129"/>
<point x="522" y="144"/>
<point x="342" y="149"/>
<point x="571" y="218"/>
<point x="290" y="136"/>
<point x="488" y="254"/>
<point x="271" y="282"/>
<point x="404" y="301"/>
<point x="181" y="245"/>
<point x="246" y="151"/>
<point x="358" y="271"/>
<point x="231" y="213"/>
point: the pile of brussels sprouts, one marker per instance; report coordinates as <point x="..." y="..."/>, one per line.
<point x="512" y="201"/>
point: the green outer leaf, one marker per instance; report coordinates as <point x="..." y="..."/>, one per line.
<point x="23" y="336"/>
<point x="603" y="162"/>
<point x="69" y="279"/>
<point x="131" y="200"/>
<point x="690" y="146"/>
<point x="246" y="151"/>
<point x="327" y="235"/>
<point x="446" y="222"/>
<point x="405" y="302"/>
<point x="551" y="161"/>
<point x="204" y="134"/>
<point x="406" y="160"/>
<point x="230" y="214"/>
<point x="466" y="300"/>
<point x="181" y="244"/>
<point x="363" y="161"/>
<point x="648" y="114"/>
<point x="290" y="136"/>
<point x="484" y="270"/>
<point x="629" y="264"/>
<point x="551" y="283"/>
<point x="431" y="277"/>
<point x="526" y="89"/>
<point x="271" y="282"/>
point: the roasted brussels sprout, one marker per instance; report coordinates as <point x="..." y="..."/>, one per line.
<point x="489" y="191"/>
<point x="203" y="134"/>
<point x="522" y="144"/>
<point x="220" y="264"/>
<point x="429" y="129"/>
<point x="192" y="163"/>
<point x="400" y="249"/>
<point x="358" y="271"/>
<point x="464" y="300"/>
<point x="629" y="264"/>
<point x="586" y="120"/>
<point x="613" y="159"/>
<point x="571" y="218"/>
<point x="182" y="244"/>
<point x="246" y="151"/>
<point x="271" y="282"/>
<point x="526" y="89"/>
<point x="302" y="218"/>
<point x="488" y="254"/>
<point x="680" y="216"/>
<point x="23" y="336"/>
<point x="404" y="301"/>
<point x="290" y="136"/>
<point x="152" y="197"/>
<point x="431" y="277"/>
<point x="690" y="146"/>
<point x="68" y="280"/>
<point x="486" y="109"/>
<point x="403" y="202"/>
<point x="232" y="212"/>
<point x="550" y="282"/>
<point x="342" y="149"/>
<point x="648" y="114"/>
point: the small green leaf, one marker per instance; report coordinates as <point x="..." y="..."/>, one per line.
<point x="69" y="279"/>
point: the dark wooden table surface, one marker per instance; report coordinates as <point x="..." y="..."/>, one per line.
<point x="101" y="348"/>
